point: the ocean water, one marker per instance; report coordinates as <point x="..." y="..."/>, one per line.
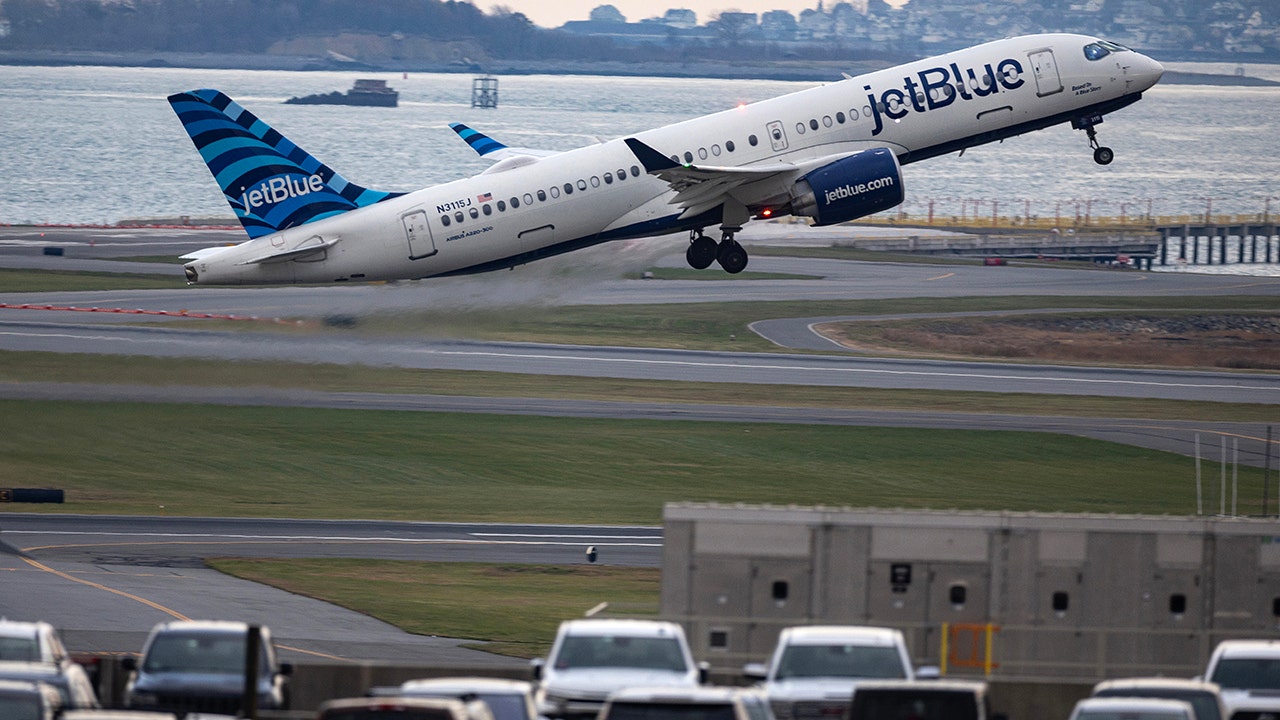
<point x="95" y="145"/>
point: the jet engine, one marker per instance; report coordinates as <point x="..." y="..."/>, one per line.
<point x="849" y="188"/>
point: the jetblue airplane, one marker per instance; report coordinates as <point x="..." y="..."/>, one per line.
<point x="831" y="154"/>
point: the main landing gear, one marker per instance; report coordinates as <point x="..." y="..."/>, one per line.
<point x="703" y="251"/>
<point x="1101" y="154"/>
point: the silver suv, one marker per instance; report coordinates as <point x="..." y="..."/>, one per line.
<point x="199" y="666"/>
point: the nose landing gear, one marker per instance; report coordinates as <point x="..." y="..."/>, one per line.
<point x="1101" y="154"/>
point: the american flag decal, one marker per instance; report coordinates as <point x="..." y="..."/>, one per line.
<point x="487" y="197"/>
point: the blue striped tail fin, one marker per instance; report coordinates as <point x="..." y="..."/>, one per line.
<point x="269" y="182"/>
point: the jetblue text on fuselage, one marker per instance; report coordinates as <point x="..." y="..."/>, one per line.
<point x="847" y="191"/>
<point x="938" y="87"/>
<point x="279" y="189"/>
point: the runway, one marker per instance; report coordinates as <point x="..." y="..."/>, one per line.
<point x="106" y="581"/>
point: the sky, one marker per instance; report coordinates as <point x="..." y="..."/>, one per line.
<point x="554" y="13"/>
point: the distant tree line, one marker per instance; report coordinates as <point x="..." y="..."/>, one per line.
<point x="251" y="26"/>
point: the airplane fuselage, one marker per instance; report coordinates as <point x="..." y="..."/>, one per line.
<point x="525" y="208"/>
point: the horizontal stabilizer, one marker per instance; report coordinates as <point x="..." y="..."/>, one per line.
<point x="311" y="248"/>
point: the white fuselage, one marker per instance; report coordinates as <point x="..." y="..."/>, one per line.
<point x="524" y="208"/>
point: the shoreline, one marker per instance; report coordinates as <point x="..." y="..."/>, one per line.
<point x="787" y="70"/>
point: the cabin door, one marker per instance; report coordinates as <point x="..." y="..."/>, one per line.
<point x="417" y="232"/>
<point x="1045" y="68"/>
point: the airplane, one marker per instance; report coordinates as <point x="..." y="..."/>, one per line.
<point x="832" y="154"/>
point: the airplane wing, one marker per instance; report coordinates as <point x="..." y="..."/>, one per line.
<point x="699" y="189"/>
<point x="490" y="149"/>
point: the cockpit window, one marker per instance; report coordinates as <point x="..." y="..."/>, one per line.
<point x="1102" y="48"/>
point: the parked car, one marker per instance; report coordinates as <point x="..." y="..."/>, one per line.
<point x="814" y="668"/>
<point x="1204" y="697"/>
<point x="1132" y="709"/>
<point x="199" y="666"/>
<point x="676" y="703"/>
<point x="507" y="699"/>
<point x="1248" y="674"/>
<point x="921" y="700"/>
<point x="592" y="658"/>
<point x="28" y="700"/>
<point x="33" y="651"/>
<point x="403" y="708"/>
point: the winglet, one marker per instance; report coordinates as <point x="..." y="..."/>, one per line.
<point x="652" y="160"/>
<point x="481" y="143"/>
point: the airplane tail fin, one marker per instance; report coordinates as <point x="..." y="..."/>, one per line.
<point x="269" y="182"/>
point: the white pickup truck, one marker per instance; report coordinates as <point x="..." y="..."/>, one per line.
<point x="1248" y="674"/>
<point x="814" y="668"/>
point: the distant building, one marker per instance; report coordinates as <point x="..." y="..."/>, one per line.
<point x="608" y="14"/>
<point x="682" y="18"/>
<point x="778" y="25"/>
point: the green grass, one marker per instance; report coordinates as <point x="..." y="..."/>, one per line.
<point x="206" y="460"/>
<point x="15" y="281"/>
<point x="514" y="608"/>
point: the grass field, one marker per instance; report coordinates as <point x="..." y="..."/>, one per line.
<point x="282" y="462"/>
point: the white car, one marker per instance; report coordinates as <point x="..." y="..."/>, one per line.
<point x="33" y="651"/>
<point x="1248" y="673"/>
<point x="700" y="703"/>
<point x="1132" y="709"/>
<point x="507" y="699"/>
<point x="592" y="658"/>
<point x="814" y="668"/>
<point x="1204" y="697"/>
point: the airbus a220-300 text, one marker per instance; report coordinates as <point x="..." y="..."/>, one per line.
<point x="831" y="154"/>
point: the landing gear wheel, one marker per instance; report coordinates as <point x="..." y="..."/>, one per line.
<point x="1103" y="155"/>
<point x="701" y="252"/>
<point x="731" y="256"/>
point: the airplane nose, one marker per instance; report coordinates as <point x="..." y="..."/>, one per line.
<point x="1146" y="72"/>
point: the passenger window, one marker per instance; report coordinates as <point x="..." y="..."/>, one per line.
<point x="595" y="181"/>
<point x="488" y="209"/>
<point x="459" y="216"/>
<point x="582" y="184"/>
<point x="542" y="195"/>
<point x="568" y="189"/>
<point x="528" y="199"/>
<point x="502" y="206"/>
<point x="474" y="213"/>
<point x="555" y="191"/>
<point x="688" y="156"/>
<point x="635" y="171"/>
<point x="702" y="153"/>
<point x="444" y="220"/>
<point x="515" y="203"/>
<point x="622" y="174"/>
<point x="752" y="140"/>
<point x="728" y="145"/>
<point x="866" y="111"/>
<point x="715" y="150"/>
<point x="813" y="124"/>
<point x="675" y="159"/>
<point x="840" y="118"/>
<point x="799" y="130"/>
<point x="826" y="120"/>
<point x="608" y="178"/>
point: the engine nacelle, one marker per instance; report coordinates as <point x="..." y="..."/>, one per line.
<point x="849" y="188"/>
